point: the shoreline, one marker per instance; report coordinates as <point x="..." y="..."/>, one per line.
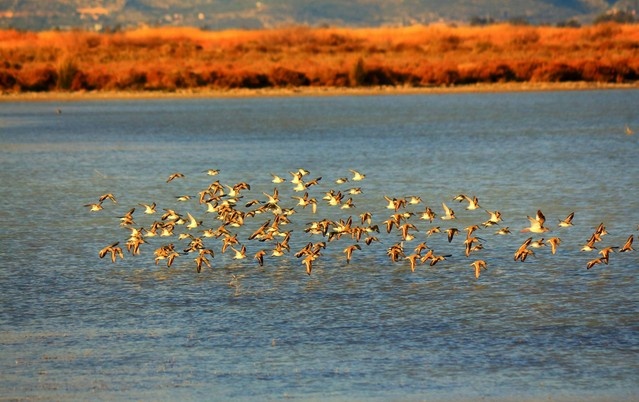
<point x="312" y="91"/>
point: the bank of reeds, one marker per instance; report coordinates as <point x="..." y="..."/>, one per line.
<point x="168" y="59"/>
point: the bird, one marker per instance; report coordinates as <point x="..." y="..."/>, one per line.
<point x="167" y="229"/>
<point x="171" y="258"/>
<point x="448" y="213"/>
<point x="366" y="217"/>
<point x="478" y="265"/>
<point x="193" y="223"/>
<point x="437" y="258"/>
<point x="495" y="218"/>
<point x="470" y="230"/>
<point x="134" y="241"/>
<point x="429" y="255"/>
<point x="420" y="247"/>
<point x="173" y="176"/>
<point x="503" y="231"/>
<point x="451" y="232"/>
<point x="414" y="199"/>
<point x="259" y="257"/>
<point x="590" y="244"/>
<point x="114" y="249"/>
<point x="413" y="259"/>
<point x="195" y="244"/>
<point x="428" y="215"/>
<point x="600" y="231"/>
<point x="212" y="172"/>
<point x="306" y="201"/>
<point x="348" y="204"/>
<point x="433" y="230"/>
<point x="605" y="253"/>
<point x="369" y="239"/>
<point x="152" y="230"/>
<point x="308" y="262"/>
<point x="627" y="245"/>
<point x="239" y="254"/>
<point x="357" y="176"/>
<point x="296" y="177"/>
<point x="127" y="219"/>
<point x="567" y="221"/>
<point x="279" y="250"/>
<point x="277" y="179"/>
<point x="95" y="207"/>
<point x="311" y="252"/>
<point x="536" y="224"/>
<point x="229" y="240"/>
<point x="109" y="196"/>
<point x="349" y="251"/>
<point x="473" y="203"/>
<point x="594" y="262"/>
<point x="222" y="203"/>
<point x="274" y="198"/>
<point x="395" y="252"/>
<point x="554" y="243"/>
<point x="148" y="208"/>
<point x="406" y="235"/>
<point x="162" y="252"/>
<point x="170" y="215"/>
<point x="395" y="203"/>
<point x="628" y="130"/>
<point x="470" y="246"/>
<point x="333" y="198"/>
<point x="523" y="251"/>
<point x="202" y="259"/>
<point x="313" y="182"/>
<point x="260" y="232"/>
<point x="537" y="243"/>
<point x="306" y="250"/>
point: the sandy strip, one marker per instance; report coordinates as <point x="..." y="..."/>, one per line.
<point x="311" y="91"/>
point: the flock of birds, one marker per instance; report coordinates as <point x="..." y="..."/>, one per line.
<point x="225" y="217"/>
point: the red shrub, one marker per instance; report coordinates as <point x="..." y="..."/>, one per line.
<point x="283" y="77"/>
<point x="37" y="79"/>
<point x="8" y="80"/>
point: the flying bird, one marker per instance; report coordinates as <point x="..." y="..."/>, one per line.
<point x="448" y="213"/>
<point x="478" y="265"/>
<point x="536" y="224"/>
<point x="357" y="176"/>
<point x="173" y="176"/>
<point x="349" y="251"/>
<point x="627" y="245"/>
<point x="567" y="221"/>
<point x="554" y="243"/>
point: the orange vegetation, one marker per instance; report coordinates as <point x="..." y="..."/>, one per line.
<point x="174" y="58"/>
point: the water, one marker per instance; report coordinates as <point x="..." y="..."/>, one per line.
<point x="77" y="327"/>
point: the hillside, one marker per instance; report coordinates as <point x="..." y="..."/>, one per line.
<point x="172" y="59"/>
<point x="101" y="15"/>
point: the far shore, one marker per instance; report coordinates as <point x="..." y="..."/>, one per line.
<point x="311" y="91"/>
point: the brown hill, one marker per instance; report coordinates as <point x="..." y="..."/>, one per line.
<point x="242" y="14"/>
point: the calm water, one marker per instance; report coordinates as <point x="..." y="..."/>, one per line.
<point x="74" y="326"/>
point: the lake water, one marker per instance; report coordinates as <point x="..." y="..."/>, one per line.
<point x="77" y="327"/>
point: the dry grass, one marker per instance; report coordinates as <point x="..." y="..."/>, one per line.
<point x="169" y="59"/>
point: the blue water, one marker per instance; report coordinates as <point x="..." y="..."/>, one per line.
<point x="77" y="327"/>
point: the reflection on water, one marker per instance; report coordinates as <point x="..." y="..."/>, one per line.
<point x="74" y="326"/>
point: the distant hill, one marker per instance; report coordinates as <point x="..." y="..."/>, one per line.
<point x="103" y="15"/>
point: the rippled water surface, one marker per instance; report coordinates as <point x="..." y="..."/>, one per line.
<point x="74" y="326"/>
